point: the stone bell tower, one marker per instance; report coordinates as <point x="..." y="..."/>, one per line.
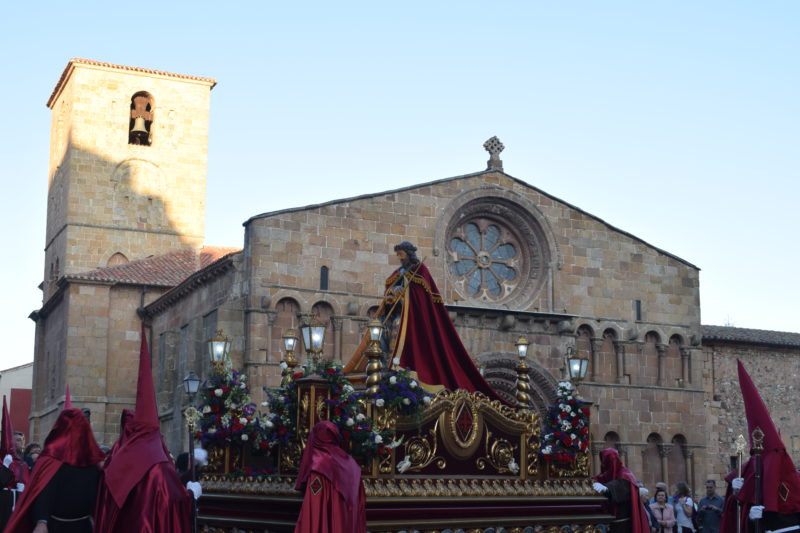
<point x="128" y="163"/>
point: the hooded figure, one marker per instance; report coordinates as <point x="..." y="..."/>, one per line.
<point x="13" y="470"/>
<point x="780" y="481"/>
<point x="334" y="499"/>
<point x="621" y="488"/>
<point x="423" y="336"/>
<point x="63" y="485"/>
<point x="140" y="490"/>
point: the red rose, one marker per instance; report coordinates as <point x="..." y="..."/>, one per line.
<point x="224" y="389"/>
<point x="282" y="431"/>
<point x="215" y="408"/>
<point x="263" y="445"/>
<point x="298" y="375"/>
<point x="563" y="414"/>
<point x="574" y="423"/>
<point x="585" y="411"/>
<point x="331" y="371"/>
<point x="345" y="434"/>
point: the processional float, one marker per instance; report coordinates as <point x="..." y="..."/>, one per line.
<point x="431" y="461"/>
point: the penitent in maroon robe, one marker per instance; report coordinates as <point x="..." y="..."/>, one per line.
<point x="141" y="491"/>
<point x="70" y="442"/>
<point x="17" y="471"/>
<point x="334" y="499"/>
<point x="623" y="494"/>
<point x="780" y="481"/>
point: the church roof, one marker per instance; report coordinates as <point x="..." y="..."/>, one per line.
<point x="464" y="176"/>
<point x="111" y="66"/>
<point x="750" y="336"/>
<point x="167" y="270"/>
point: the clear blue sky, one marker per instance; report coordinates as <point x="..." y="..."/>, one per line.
<point x="675" y="121"/>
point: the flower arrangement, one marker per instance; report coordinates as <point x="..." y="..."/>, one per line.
<point x="347" y="409"/>
<point x="227" y="414"/>
<point x="566" y="429"/>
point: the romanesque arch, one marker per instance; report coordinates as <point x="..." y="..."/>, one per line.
<point x="651" y="460"/>
<point x="499" y="371"/>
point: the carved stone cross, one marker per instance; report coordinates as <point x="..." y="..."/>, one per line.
<point x="494" y="147"/>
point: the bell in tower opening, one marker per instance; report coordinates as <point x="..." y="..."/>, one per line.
<point x="141" y="119"/>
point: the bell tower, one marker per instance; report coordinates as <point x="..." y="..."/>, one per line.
<point x="128" y="164"/>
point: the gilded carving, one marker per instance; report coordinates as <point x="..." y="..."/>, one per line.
<point x="499" y="453"/>
<point x="421" y="452"/>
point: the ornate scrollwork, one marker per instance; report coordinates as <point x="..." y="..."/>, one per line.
<point x="532" y="447"/>
<point x="422" y="453"/>
<point x="322" y="408"/>
<point x="499" y="453"/>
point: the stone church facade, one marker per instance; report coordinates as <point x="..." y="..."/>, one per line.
<point x="510" y="260"/>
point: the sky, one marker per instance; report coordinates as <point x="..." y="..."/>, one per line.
<point x="674" y="121"/>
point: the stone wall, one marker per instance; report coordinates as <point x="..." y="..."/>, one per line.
<point x="774" y="371"/>
<point x="109" y="197"/>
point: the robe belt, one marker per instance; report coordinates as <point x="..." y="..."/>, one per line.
<point x="59" y="519"/>
<point x="784" y="530"/>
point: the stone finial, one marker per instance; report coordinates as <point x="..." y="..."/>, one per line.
<point x="494" y="147"/>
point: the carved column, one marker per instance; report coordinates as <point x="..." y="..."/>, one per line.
<point x="597" y="347"/>
<point x="619" y="350"/>
<point x="271" y="316"/>
<point x="661" y="349"/>
<point x="596" y="448"/>
<point x="690" y="468"/>
<point x="686" y="353"/>
<point x="623" y="454"/>
<point x="663" y="453"/>
<point x="336" y="325"/>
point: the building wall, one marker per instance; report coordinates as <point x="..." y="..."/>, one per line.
<point x="19" y="379"/>
<point x="108" y="197"/>
<point x="774" y="371"/>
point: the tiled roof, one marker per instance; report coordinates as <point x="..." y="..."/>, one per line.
<point x="751" y="336"/>
<point x="78" y="61"/>
<point x="167" y="270"/>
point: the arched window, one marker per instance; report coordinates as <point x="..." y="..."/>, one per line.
<point x="141" y="119"/>
<point x="651" y="460"/>
<point x="117" y="259"/>
<point x="58" y="270"/>
<point x="323" y="278"/>
<point x="676" y="461"/>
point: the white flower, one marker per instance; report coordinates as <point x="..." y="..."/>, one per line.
<point x="350" y="422"/>
<point x="347" y="388"/>
<point x="206" y="409"/>
<point x="393" y="380"/>
<point x="245" y="437"/>
<point x="378" y="438"/>
<point x="406" y="401"/>
<point x="513" y="466"/>
<point x="379" y="402"/>
<point x="283" y="365"/>
<point x="269" y="424"/>
<point x="426" y="399"/>
<point x="567" y="408"/>
<point x="396" y="361"/>
<point x="217" y="392"/>
<point x="242" y="377"/>
<point x="243" y="420"/>
<point x="211" y="431"/>
<point x="413" y="384"/>
<point x="569" y="397"/>
<point x="573" y="436"/>
<point x="572" y="414"/>
<point x="264" y="404"/>
<point x="360" y="417"/>
<point x="547" y="450"/>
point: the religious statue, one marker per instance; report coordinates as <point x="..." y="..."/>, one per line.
<point x="419" y="332"/>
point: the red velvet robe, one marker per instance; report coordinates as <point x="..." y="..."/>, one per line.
<point x="71" y="441"/>
<point x="613" y="469"/>
<point x="158" y="503"/>
<point x="334" y="499"/>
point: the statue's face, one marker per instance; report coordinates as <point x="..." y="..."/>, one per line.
<point x="401" y="256"/>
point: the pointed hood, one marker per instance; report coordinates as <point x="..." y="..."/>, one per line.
<point x="7" y="445"/>
<point x="67" y="398"/>
<point x="146" y="407"/>
<point x="140" y="445"/>
<point x="780" y="479"/>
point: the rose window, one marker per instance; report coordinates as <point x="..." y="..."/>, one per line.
<point x="486" y="259"/>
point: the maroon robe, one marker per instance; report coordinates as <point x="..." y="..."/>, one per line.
<point x="71" y="442"/>
<point x="334" y="499"/>
<point x="780" y="481"/>
<point x="18" y="471"/>
<point x="612" y="469"/>
<point x="427" y="341"/>
<point x="141" y="491"/>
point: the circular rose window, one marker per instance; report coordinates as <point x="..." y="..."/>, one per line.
<point x="496" y="252"/>
<point x="485" y="259"/>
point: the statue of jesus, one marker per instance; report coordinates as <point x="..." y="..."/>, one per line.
<point x="419" y="330"/>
